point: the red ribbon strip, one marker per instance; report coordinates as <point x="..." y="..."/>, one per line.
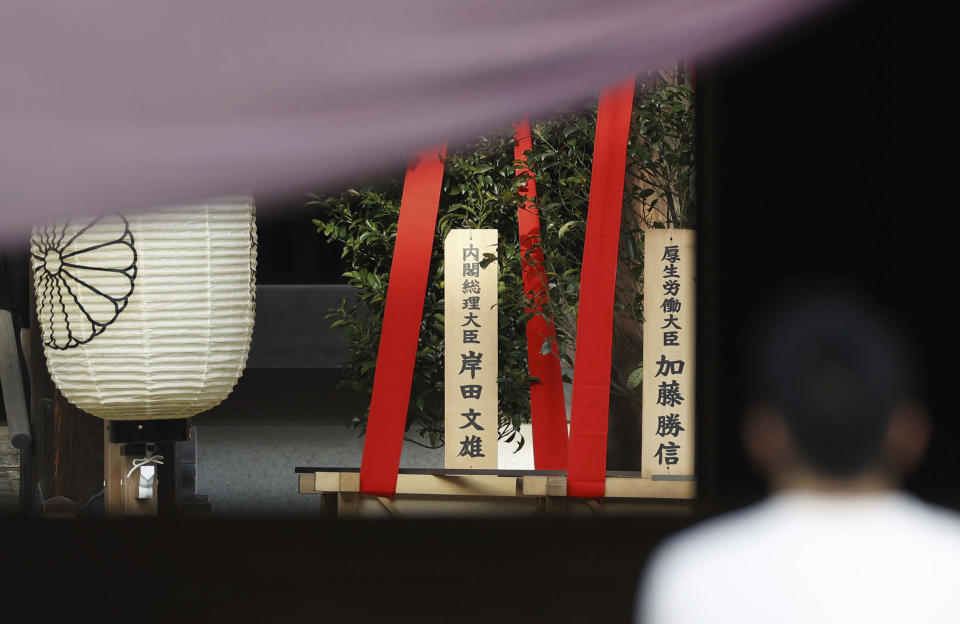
<point x="548" y="413"/>
<point x="406" y="291"/>
<point x="586" y="476"/>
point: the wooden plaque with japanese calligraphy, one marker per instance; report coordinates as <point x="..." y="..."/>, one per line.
<point x="471" y="336"/>
<point x="669" y="305"/>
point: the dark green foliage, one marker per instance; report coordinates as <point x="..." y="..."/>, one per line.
<point x="481" y="190"/>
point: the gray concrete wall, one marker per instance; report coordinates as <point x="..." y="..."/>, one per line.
<point x="274" y="421"/>
<point x="286" y="412"/>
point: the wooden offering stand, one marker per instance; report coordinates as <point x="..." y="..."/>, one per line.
<point x="448" y="492"/>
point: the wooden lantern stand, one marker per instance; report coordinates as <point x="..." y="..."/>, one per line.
<point x="174" y="485"/>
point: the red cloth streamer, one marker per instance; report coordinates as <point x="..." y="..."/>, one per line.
<point x="547" y="408"/>
<point x="586" y="476"/>
<point x="397" y="353"/>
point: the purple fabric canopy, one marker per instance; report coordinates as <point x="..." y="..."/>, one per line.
<point x="117" y="105"/>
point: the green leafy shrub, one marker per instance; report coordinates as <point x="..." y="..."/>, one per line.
<point x="481" y="190"/>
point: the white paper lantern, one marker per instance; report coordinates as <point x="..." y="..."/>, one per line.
<point x="148" y="316"/>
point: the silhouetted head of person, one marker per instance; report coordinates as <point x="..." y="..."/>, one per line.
<point x="835" y="387"/>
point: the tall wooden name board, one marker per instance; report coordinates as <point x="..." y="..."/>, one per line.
<point x="669" y="287"/>
<point x="470" y="336"/>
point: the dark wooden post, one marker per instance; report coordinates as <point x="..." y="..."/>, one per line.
<point x="66" y="457"/>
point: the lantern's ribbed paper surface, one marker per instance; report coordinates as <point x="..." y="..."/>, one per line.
<point x="150" y="315"/>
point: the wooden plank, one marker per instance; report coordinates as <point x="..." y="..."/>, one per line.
<point x="348" y="497"/>
<point x="617" y="487"/>
<point x="544" y="486"/>
<point x="11" y="380"/>
<point x="120" y="493"/>
<point x="470" y="330"/>
<point x="454" y="471"/>
<point x="112" y="475"/>
<point x="499" y="486"/>
<point x="10" y="475"/>
<point x="307" y="484"/>
<point x="389" y="506"/>
<point x="556" y="486"/>
<point x="534" y="486"/>
<point x="625" y="487"/>
<point x="459" y="485"/>
<point x="429" y="495"/>
<point x="349" y="481"/>
<point x="10" y="487"/>
<point x="480" y="485"/>
<point x="327" y="482"/>
<point x="669" y="301"/>
<point x="9" y="456"/>
<point x="428" y="506"/>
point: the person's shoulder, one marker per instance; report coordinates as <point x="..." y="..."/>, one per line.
<point x="772" y="527"/>
<point x="716" y="536"/>
<point x="714" y="547"/>
<point x="930" y="522"/>
<point x="690" y="563"/>
<point x="809" y="540"/>
<point x="948" y="518"/>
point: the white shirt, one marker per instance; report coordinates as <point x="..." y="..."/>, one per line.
<point x="812" y="558"/>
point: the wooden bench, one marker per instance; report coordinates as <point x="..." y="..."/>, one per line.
<point x="439" y="492"/>
<point x="9" y="474"/>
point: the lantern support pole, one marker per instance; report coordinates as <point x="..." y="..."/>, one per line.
<point x="173" y="492"/>
<point x="59" y="469"/>
<point x="112" y="475"/>
<point x="122" y="496"/>
<point x="11" y="381"/>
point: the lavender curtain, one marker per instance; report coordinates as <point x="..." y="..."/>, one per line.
<point x="110" y="105"/>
